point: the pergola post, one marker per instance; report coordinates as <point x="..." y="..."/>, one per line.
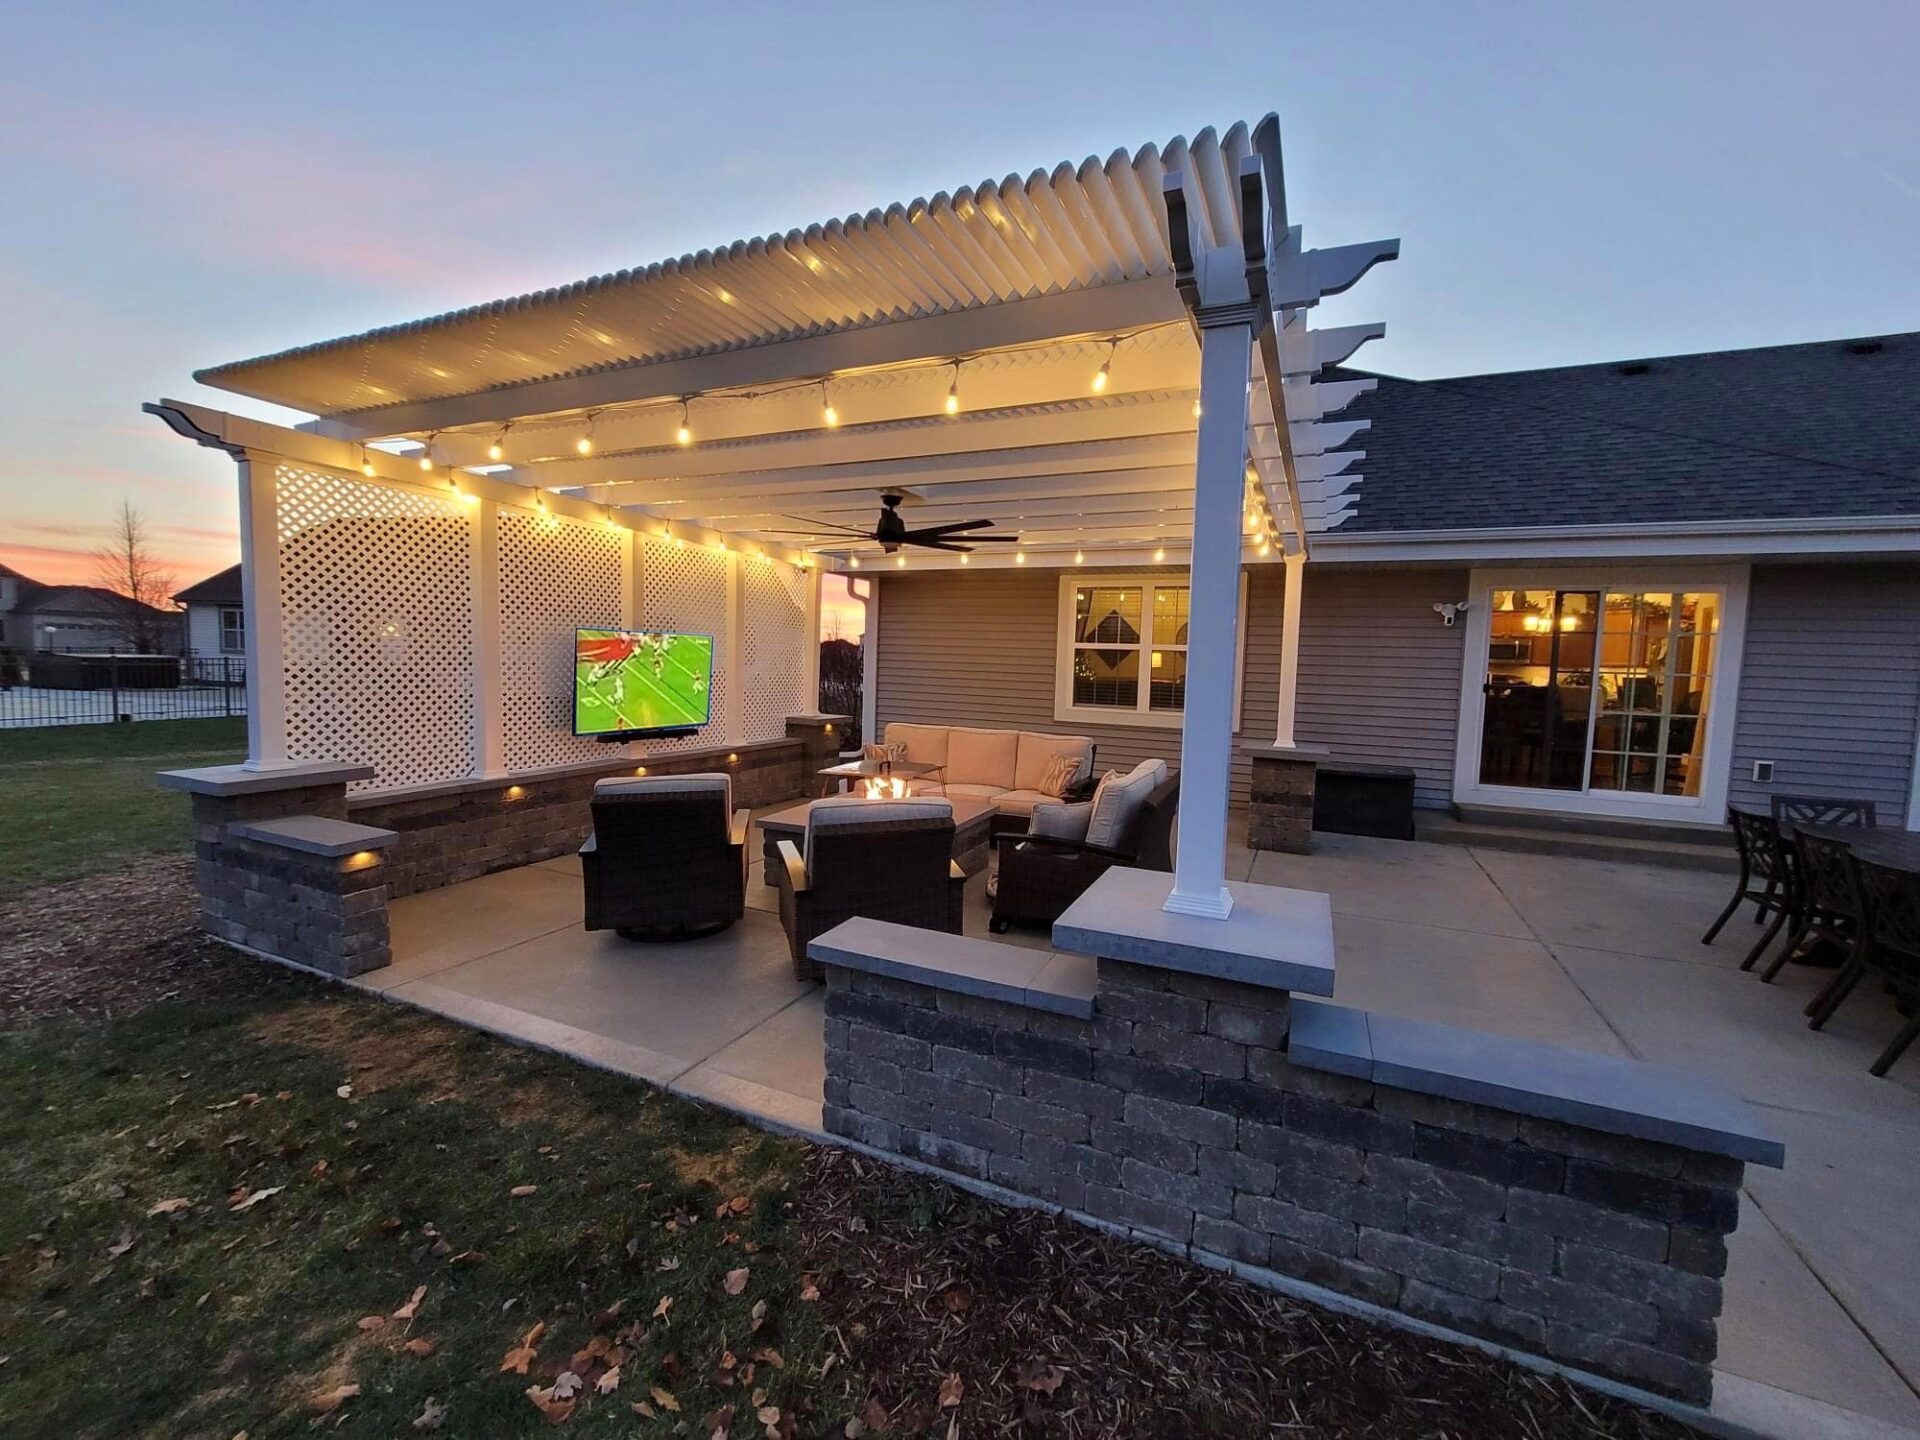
<point x="260" y="595"/>
<point x="1290" y="617"/>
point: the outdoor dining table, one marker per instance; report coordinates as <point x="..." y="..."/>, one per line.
<point x="1895" y="849"/>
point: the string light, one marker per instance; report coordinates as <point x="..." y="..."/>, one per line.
<point x="853" y="562"/>
<point x="1159" y="555"/>
<point x="966" y="559"/>
<point x="426" y="451"/>
<point x="1106" y="368"/>
<point x="1079" y="558"/>
<point x="1020" y="557"/>
<point x="685" y="433"/>
<point x="498" y="449"/>
<point x="366" y="463"/>
<point x="828" y="414"/>
<point x="584" y="445"/>
<point x="900" y="562"/>
<point x="953" y="391"/>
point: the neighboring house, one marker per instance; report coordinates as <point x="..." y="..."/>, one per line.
<point x="216" y="616"/>
<point x="1687" y="581"/>
<point x="76" y="618"/>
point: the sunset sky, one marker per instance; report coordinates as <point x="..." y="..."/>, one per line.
<point x="194" y="183"/>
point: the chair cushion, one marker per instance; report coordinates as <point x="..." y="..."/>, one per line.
<point x="1119" y="799"/>
<point x="925" y="787"/>
<point x="975" y="792"/>
<point x="982" y="757"/>
<point x="1020" y="802"/>
<point x="628" y="787"/>
<point x="1037" y="751"/>
<point x="926" y="744"/>
<point x="1061" y="820"/>
<point x="849" y="812"/>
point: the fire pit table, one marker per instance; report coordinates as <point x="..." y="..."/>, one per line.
<point x="852" y="770"/>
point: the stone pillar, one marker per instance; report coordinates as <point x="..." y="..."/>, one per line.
<point x="306" y="889"/>
<point x="820" y="737"/>
<point x="1280" y="801"/>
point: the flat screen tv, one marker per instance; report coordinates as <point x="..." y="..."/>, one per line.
<point x="629" y="684"/>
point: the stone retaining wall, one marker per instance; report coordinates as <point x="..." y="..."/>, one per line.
<point x="325" y="911"/>
<point x="1178" y="1111"/>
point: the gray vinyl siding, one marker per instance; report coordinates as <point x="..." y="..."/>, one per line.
<point x="1380" y="675"/>
<point x="1380" y="672"/>
<point x="1830" y="684"/>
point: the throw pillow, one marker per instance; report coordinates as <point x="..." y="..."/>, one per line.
<point x="893" y="754"/>
<point x="1061" y="822"/>
<point x="1059" y="774"/>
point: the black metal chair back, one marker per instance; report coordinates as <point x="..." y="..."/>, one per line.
<point x="1763" y="853"/>
<point x="1829" y="876"/>
<point x="1797" y="810"/>
<point x="1892" y="900"/>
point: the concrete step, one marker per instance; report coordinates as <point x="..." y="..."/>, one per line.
<point x="1676" y="849"/>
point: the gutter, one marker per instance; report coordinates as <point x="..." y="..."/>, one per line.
<point x="1822" y="535"/>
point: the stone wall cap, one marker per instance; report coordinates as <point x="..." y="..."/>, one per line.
<point x="1037" y="979"/>
<point x="709" y="757"/>
<point x="1549" y="1082"/>
<point x="817" y="718"/>
<point x="314" y="835"/>
<point x="239" y="780"/>
<point x="1267" y="750"/>
<point x="1279" y="938"/>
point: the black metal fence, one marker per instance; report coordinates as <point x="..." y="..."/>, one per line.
<point x="73" y="689"/>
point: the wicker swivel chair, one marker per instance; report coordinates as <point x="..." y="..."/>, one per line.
<point x="881" y="859"/>
<point x="1041" y="875"/>
<point x="667" y="857"/>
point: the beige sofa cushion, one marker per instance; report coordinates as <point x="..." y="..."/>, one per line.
<point x="925" y="787"/>
<point x="1022" y="802"/>
<point x="1036" y="749"/>
<point x="926" y="744"/>
<point x="1120" y="798"/>
<point x="981" y="757"/>
<point x="957" y="788"/>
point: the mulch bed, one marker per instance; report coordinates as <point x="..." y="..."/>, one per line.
<point x="113" y="944"/>
<point x="1056" y="1330"/>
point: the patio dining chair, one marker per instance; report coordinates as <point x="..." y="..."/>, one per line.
<point x="1827" y="900"/>
<point x="1766" y="878"/>
<point x="1889" y="948"/>
<point x="667" y="857"/>
<point x="1792" y="811"/>
<point x="881" y="859"/>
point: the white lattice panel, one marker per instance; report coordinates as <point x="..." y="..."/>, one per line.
<point x="684" y="588"/>
<point x="555" y="575"/>
<point x="773" y="645"/>
<point x="376" y="603"/>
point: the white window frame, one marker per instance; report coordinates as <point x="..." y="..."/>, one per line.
<point x="1709" y="807"/>
<point x="1139" y="718"/>
<point x="239" y="630"/>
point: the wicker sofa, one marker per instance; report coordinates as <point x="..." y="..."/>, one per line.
<point x="1003" y="766"/>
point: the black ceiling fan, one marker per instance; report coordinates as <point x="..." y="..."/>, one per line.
<point x="891" y="531"/>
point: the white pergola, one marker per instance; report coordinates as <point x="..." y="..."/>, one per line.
<point x="1111" y="361"/>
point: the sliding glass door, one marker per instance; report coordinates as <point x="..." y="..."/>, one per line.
<point x="1598" y="690"/>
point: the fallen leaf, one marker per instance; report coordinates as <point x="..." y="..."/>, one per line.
<point x="412" y="1307"/>
<point x="556" y="1409"/>
<point x="253" y="1198"/>
<point x="328" y="1401"/>
<point x="421" y="1345"/>
<point x="520" y="1356"/>
<point x="1044" y="1378"/>
<point x="609" y="1382"/>
<point x="664" y="1398"/>
<point x="660" y="1310"/>
<point x="123" y="1244"/>
<point x="771" y="1357"/>
<point x="759" y="1315"/>
<point x="768" y="1414"/>
<point x="466" y="1257"/>
<point x="670" y="1262"/>
<point x="169" y="1207"/>
<point x="431" y="1415"/>
<point x="345" y="1092"/>
<point x="522" y="1191"/>
<point x="875" y="1414"/>
<point x="958" y="1299"/>
<point x="855" y="1429"/>
<point x="737" y="1280"/>
<point x="641" y="1407"/>
<point x="371" y="1322"/>
<point x="809" y="1288"/>
<point x="950" y="1391"/>
<point x="566" y="1385"/>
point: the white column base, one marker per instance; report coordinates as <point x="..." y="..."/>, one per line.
<point x="1217" y="906"/>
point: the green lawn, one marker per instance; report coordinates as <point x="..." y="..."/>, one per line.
<point x="76" y="800"/>
<point x="519" y="1189"/>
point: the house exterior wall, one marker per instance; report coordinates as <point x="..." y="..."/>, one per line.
<point x="1830" y="691"/>
<point x="1379" y="673"/>
<point x="203" y="629"/>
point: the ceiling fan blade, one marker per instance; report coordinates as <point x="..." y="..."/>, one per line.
<point x="850" y="534"/>
<point x="826" y="525"/>
<point x="993" y="539"/>
<point x="942" y="545"/>
<point x="956" y="526"/>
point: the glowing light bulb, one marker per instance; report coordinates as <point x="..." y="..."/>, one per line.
<point x="953" y="396"/>
<point x="1079" y="558"/>
<point x="366" y="463"/>
<point x="426" y="460"/>
<point x="828" y="414"/>
<point x="684" y="434"/>
<point x="900" y="562"/>
<point x="1104" y="374"/>
<point x="1159" y="555"/>
<point x="498" y="450"/>
<point x="1196" y="409"/>
<point x="966" y="559"/>
<point x="1020" y="557"/>
<point x="584" y="445"/>
<point x="853" y="562"/>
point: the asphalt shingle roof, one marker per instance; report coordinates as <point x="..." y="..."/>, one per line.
<point x="1785" y="432"/>
<point x="222" y="588"/>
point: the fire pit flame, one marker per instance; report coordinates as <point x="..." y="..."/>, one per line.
<point x="885" y="788"/>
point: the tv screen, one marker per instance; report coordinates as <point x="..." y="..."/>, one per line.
<point x="640" y="682"/>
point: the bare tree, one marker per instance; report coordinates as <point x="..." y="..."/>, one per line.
<point x="127" y="567"/>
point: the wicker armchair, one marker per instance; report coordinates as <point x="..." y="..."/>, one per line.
<point x="1041" y="875"/>
<point x="882" y="859"/>
<point x="667" y="857"/>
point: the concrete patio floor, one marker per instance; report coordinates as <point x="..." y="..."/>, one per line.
<point x="1823" y="1287"/>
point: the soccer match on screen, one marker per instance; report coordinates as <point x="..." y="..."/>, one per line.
<point x="637" y="680"/>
